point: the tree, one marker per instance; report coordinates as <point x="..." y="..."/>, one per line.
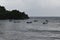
<point x="14" y="14"/>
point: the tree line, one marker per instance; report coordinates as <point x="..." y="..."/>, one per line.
<point x="14" y="14"/>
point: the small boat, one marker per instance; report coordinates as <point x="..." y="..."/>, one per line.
<point x="35" y="20"/>
<point x="28" y="22"/>
<point x="46" y="22"/>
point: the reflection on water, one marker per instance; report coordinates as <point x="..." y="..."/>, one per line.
<point x="20" y="30"/>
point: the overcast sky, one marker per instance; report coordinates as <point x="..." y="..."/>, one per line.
<point x="34" y="7"/>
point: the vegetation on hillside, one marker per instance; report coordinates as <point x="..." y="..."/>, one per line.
<point x="14" y="14"/>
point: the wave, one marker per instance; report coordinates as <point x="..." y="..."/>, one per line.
<point x="44" y="37"/>
<point x="35" y="30"/>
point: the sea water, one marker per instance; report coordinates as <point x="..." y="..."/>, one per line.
<point x="21" y="30"/>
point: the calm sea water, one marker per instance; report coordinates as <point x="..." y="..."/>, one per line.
<point x="34" y="30"/>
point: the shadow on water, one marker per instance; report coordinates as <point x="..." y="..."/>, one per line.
<point x="10" y="20"/>
<point x="15" y="21"/>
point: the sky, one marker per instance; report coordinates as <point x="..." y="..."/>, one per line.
<point x="34" y="7"/>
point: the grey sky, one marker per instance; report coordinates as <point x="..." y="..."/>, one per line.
<point x="34" y="7"/>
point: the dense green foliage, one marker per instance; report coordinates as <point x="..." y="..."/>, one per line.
<point x="14" y="14"/>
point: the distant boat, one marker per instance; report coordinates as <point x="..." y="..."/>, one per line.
<point x="35" y="20"/>
<point x="46" y="22"/>
<point x="28" y="22"/>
